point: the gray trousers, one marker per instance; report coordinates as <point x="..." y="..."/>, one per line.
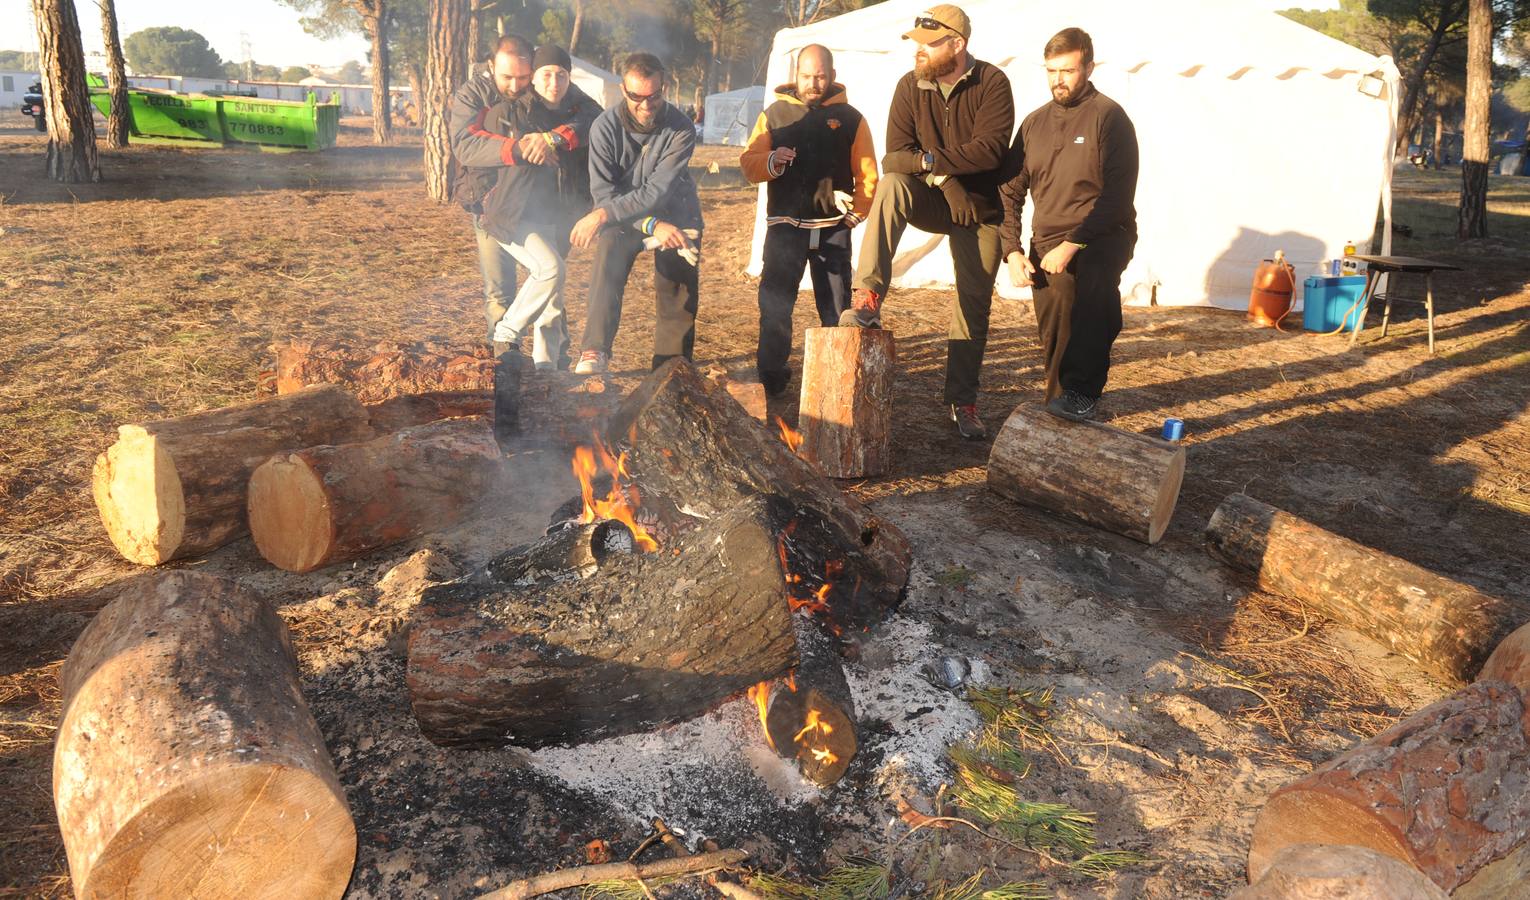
<point x="498" y="268"/>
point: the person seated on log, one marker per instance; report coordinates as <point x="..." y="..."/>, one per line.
<point x="537" y="197"/>
<point x="813" y="151"/>
<point x="645" y="198"/>
<point x="948" y="133"/>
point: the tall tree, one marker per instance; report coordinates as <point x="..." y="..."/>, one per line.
<point x="573" y="35"/>
<point x="66" y="99"/>
<point x="119" y="115"/>
<point x="445" y="68"/>
<point x="329" y="18"/>
<point x="167" y="50"/>
<point x="1436" y="21"/>
<point x="717" y="22"/>
<point x="475" y="34"/>
<point x="1471" y="221"/>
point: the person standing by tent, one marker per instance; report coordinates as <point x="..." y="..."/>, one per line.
<point x="813" y="151"/>
<point x="478" y="153"/>
<point x="947" y="134"/>
<point x="645" y="198"/>
<point x="1077" y="156"/>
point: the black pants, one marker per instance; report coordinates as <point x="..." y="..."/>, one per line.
<point x="674" y="284"/>
<point x="1078" y="314"/>
<point x="826" y="254"/>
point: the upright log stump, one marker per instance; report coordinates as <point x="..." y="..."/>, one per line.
<point x="1442" y="625"/>
<point x="324" y="505"/>
<point x="1103" y="476"/>
<point x="176" y="488"/>
<point x="845" y="414"/>
<point x="1447" y="790"/>
<point x="187" y="763"/>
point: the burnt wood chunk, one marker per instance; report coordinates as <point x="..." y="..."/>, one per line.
<point x="810" y="716"/>
<point x="846" y="410"/>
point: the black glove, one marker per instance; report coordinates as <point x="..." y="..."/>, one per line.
<point x="963" y="213"/>
<point x="823" y="198"/>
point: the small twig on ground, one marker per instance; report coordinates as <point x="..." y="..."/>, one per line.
<point x="1306" y="624"/>
<point x="581" y="875"/>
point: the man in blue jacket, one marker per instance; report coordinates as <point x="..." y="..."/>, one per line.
<point x="640" y="181"/>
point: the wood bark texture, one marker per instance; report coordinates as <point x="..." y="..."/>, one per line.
<point x="1476" y="142"/>
<point x="1446" y="790"/>
<point x="71" y="153"/>
<point x="187" y="763"/>
<point x="515" y="654"/>
<point x="445" y="69"/>
<point x="408" y="410"/>
<point x="1442" y="625"/>
<point x="1112" y="479"/>
<point x="176" y="488"/>
<point x="382" y="371"/>
<point x="845" y="414"/>
<point x="549" y="409"/>
<point x="119" y="116"/>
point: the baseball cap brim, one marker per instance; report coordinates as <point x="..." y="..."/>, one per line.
<point x="927" y="35"/>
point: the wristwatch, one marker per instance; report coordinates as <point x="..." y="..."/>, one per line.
<point x="929" y="161"/>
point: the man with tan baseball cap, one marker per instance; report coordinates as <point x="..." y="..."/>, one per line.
<point x="948" y="133"/>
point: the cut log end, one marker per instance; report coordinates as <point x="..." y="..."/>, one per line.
<point x="290" y="516"/>
<point x="812" y="728"/>
<point x="1298" y="816"/>
<point x="138" y="494"/>
<point x="229" y="834"/>
<point x="1168" y="498"/>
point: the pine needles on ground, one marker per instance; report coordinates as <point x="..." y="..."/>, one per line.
<point x="620" y="889"/>
<point x="857" y="880"/>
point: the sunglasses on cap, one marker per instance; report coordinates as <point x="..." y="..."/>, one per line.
<point x="934" y="25"/>
<point x="653" y="99"/>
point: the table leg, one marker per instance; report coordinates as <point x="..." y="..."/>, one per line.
<point x="1429" y="307"/>
<point x="1371" y="278"/>
<point x="1386" y="311"/>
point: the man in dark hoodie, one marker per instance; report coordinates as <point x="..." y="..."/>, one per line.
<point x="640" y="153"/>
<point x="813" y="151"/>
<point x="947" y="134"/>
<point x="1077" y="156"/>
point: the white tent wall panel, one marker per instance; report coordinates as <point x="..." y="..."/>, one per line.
<point x="1254" y="142"/>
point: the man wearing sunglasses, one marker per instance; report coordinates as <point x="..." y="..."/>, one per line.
<point x="948" y="133"/>
<point x="640" y="181"/>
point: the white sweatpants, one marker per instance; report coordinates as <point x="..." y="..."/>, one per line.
<point x="538" y="304"/>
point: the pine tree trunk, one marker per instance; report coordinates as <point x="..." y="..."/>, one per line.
<point x="1413" y="85"/>
<point x="1472" y="220"/>
<point x="66" y="100"/>
<point x="474" y="34"/>
<point x="376" y="20"/>
<point x="573" y="36"/>
<point x="445" y="68"/>
<point x="1439" y="135"/>
<point x="119" y="118"/>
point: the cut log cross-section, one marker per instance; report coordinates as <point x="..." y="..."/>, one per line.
<point x="1334" y="872"/>
<point x="1440" y="624"/>
<point x="845" y="414"/>
<point x="187" y="763"/>
<point x="176" y="488"/>
<point x="810" y="716"/>
<point x="324" y="505"/>
<point x="1112" y="479"/>
<point x="1444" y="791"/>
<point x="1510" y="661"/>
<point x="380" y="371"/>
<point x="518" y="654"/>
<point x="686" y="440"/>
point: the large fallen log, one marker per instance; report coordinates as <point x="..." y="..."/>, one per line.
<point x="687" y="440"/>
<point x="845" y="414"/>
<point x="521" y="655"/>
<point x="176" y="487"/>
<point x="1442" y="625"/>
<point x="324" y="505"/>
<point x="1332" y="872"/>
<point x="187" y="763"/>
<point x="1445" y="791"/>
<point x="379" y="371"/>
<point x="1112" y="479"/>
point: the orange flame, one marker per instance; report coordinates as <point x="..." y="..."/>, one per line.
<point x="622" y="501"/>
<point x="760" y="694"/>
<point x="791" y="436"/>
<point x="814" y="723"/>
<point x="825" y="756"/>
<point x="791" y="681"/>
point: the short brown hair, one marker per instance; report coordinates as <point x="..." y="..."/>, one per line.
<point x="644" y="65"/>
<point x="1067" y="41"/>
<point x="514" y="45"/>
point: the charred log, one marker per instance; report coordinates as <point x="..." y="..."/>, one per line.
<point x="810" y="716"/>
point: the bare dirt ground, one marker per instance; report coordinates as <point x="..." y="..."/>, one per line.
<point x="1182" y="697"/>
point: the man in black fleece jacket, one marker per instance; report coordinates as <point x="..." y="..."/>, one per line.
<point x="1077" y="156"/>
<point x="947" y="134"/>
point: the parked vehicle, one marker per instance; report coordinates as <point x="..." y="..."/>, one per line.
<point x="32" y="105"/>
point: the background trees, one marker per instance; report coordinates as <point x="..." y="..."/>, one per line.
<point x="167" y="50"/>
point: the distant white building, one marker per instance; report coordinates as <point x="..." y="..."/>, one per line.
<point x="13" y="85"/>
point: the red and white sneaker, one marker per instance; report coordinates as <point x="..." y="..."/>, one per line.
<point x="865" y="310"/>
<point x="592" y="362"/>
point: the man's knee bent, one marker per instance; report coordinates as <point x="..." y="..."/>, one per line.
<point x="896" y="191"/>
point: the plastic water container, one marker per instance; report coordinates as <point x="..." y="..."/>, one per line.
<point x="1326" y="300"/>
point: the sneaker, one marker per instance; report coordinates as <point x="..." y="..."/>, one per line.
<point x="592" y="362"/>
<point x="1072" y="405"/>
<point x="967" y="422"/>
<point x="865" y="310"/>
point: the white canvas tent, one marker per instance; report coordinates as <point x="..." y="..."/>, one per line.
<point x="730" y="115"/>
<point x="602" y="86"/>
<point x="1256" y="133"/>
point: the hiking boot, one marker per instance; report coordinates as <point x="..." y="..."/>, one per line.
<point x="592" y="362"/>
<point x="1072" y="405"/>
<point x="775" y="382"/>
<point x="865" y="310"/>
<point x="968" y="424"/>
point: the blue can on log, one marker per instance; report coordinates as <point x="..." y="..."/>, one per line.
<point x="1173" y="429"/>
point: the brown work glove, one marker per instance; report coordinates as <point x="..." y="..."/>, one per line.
<point x="963" y="212"/>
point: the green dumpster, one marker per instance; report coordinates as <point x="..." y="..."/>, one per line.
<point x="171" y="116"/>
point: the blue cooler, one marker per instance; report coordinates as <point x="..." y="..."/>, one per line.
<point x="1325" y="300"/>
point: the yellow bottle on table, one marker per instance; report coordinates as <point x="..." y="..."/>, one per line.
<point x="1350" y="265"/>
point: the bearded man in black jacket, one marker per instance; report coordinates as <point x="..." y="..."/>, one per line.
<point x="1077" y="157"/>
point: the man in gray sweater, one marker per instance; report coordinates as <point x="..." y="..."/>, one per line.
<point x="640" y="181"/>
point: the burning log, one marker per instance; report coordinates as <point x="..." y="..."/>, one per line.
<point x="686" y="440"/>
<point x="1103" y="476"/>
<point x="381" y="371"/>
<point x="408" y="410"/>
<point x="810" y="716"/>
<point x="1443" y="625"/>
<point x="644" y="640"/>
<point x="187" y="762"/>
<point x="1443" y="790"/>
<point x="176" y="487"/>
<point x="324" y="505"/>
<point x="846" y="412"/>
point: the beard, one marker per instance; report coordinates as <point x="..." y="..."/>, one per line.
<point x="1063" y="94"/>
<point x="929" y="69"/>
